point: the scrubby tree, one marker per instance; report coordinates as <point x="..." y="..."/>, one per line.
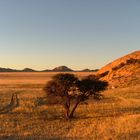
<point x="74" y="91"/>
<point x="60" y="86"/>
<point x="87" y="87"/>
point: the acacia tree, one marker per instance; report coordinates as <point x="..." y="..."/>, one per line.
<point x="87" y="87"/>
<point x="60" y="86"/>
<point x="69" y="88"/>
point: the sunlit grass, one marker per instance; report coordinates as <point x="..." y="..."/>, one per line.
<point x="115" y="117"/>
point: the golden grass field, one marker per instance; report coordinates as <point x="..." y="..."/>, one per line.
<point x="116" y="117"/>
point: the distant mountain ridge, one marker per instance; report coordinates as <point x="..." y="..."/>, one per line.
<point x="8" y="70"/>
<point x="28" y="70"/>
<point x="62" y="69"/>
<point x="56" y="69"/>
<point x="15" y="70"/>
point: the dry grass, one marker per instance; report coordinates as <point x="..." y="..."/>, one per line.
<point x="29" y="80"/>
<point x="123" y="72"/>
<point x="116" y="117"/>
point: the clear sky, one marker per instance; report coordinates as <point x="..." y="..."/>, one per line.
<point x="43" y="34"/>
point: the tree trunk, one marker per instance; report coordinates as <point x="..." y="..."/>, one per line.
<point x="67" y="107"/>
<point x="73" y="110"/>
<point x="67" y="113"/>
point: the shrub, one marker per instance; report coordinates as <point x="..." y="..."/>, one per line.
<point x="70" y="89"/>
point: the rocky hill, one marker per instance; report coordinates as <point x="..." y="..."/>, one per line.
<point x="8" y="70"/>
<point x="86" y="70"/>
<point x="122" y="72"/>
<point x="62" y="69"/>
<point x="28" y="70"/>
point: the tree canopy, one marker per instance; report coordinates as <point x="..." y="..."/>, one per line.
<point x="69" y="87"/>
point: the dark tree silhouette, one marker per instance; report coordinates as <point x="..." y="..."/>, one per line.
<point x="87" y="87"/>
<point x="69" y="88"/>
<point x="60" y="86"/>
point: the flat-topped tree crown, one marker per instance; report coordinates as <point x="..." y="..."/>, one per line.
<point x="90" y="86"/>
<point x="70" y="88"/>
<point x="60" y="84"/>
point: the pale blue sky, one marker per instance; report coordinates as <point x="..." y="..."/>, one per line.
<point x="42" y="34"/>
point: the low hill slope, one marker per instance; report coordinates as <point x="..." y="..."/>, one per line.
<point x="28" y="70"/>
<point x="62" y="69"/>
<point x="8" y="70"/>
<point x="122" y="72"/>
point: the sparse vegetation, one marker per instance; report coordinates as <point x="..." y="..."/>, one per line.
<point x="128" y="62"/>
<point x="73" y="91"/>
<point x="119" y="66"/>
<point x="132" y="61"/>
<point x="60" y="86"/>
<point x="122" y="72"/>
<point x="116" y="116"/>
<point x="103" y="74"/>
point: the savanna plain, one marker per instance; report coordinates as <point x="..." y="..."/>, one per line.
<point x="115" y="117"/>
